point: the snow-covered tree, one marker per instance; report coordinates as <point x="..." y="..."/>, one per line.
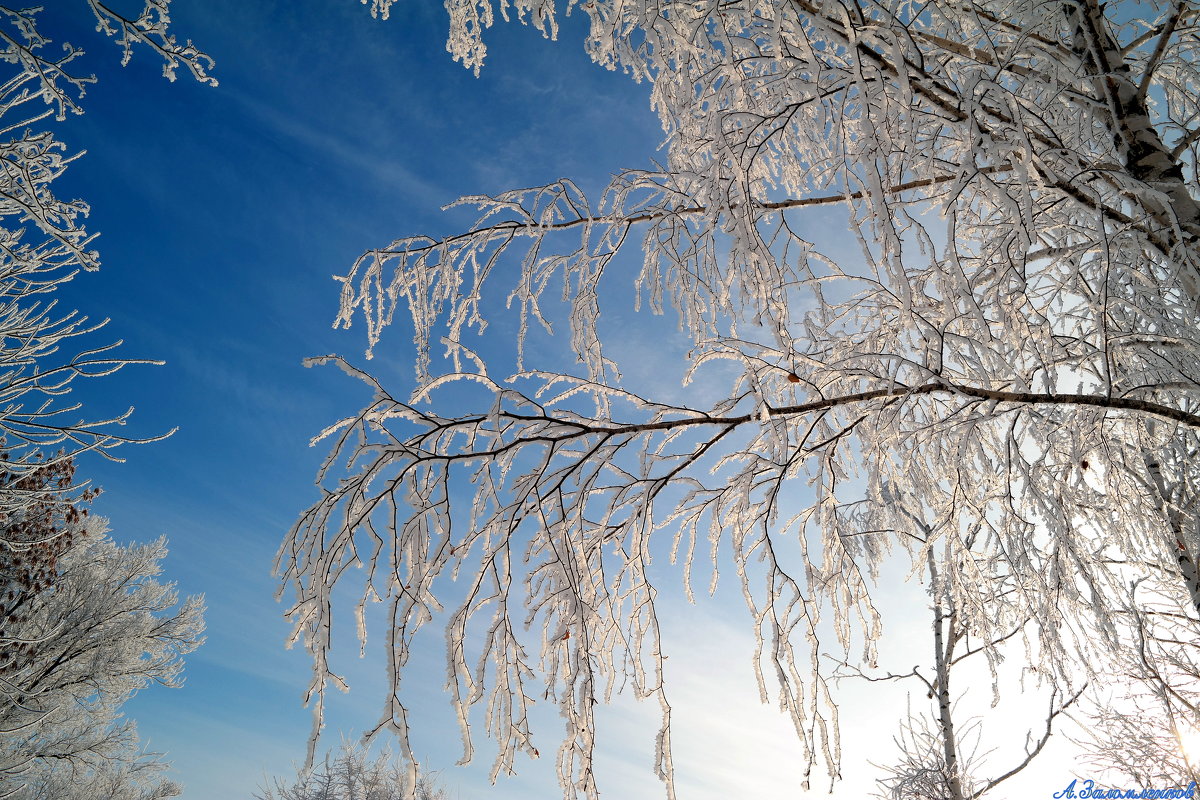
<point x="73" y="650"/>
<point x="1011" y="344"/>
<point x="352" y="774"/>
<point x="105" y="779"/>
<point x="942" y="752"/>
<point x="43" y="242"/>
<point x="35" y="537"/>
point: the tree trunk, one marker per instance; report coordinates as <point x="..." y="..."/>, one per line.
<point x="943" y="647"/>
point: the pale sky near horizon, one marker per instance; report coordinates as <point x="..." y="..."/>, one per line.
<point x="223" y="213"/>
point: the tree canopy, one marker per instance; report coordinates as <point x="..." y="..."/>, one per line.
<point x="1002" y="371"/>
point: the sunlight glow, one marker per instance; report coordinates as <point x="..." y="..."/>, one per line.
<point x="1189" y="745"/>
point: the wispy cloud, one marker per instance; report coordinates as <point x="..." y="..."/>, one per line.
<point x="360" y="158"/>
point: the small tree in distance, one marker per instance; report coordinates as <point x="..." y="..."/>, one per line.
<point x="352" y="774"/>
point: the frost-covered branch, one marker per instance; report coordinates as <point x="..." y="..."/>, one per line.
<point x="43" y="244"/>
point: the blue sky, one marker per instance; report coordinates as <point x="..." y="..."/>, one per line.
<point x="224" y="212"/>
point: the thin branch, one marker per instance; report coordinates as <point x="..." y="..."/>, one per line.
<point x="1159" y="48"/>
<point x="1030" y="755"/>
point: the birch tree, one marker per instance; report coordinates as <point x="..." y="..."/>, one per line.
<point x="943" y="756"/>
<point x="1012" y="346"/>
<point x="940" y="754"/>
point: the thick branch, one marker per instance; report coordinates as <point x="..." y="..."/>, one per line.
<point x="998" y="395"/>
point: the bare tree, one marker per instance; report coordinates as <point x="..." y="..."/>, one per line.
<point x="353" y="774"/>
<point x="1013" y="346"/>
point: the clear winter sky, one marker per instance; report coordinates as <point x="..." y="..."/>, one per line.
<point x="224" y="212"/>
